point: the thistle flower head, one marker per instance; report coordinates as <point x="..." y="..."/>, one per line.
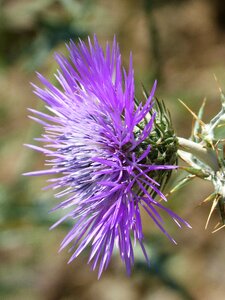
<point x="100" y="144"/>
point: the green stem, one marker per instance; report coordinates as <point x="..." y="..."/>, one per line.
<point x="206" y="155"/>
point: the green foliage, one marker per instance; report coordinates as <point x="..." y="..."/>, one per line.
<point x="29" y="31"/>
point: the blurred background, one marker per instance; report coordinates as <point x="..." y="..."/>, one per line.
<point x="179" y="42"/>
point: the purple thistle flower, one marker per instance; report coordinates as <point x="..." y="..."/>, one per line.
<point x="94" y="134"/>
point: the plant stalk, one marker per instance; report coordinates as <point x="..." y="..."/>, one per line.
<point x="206" y="155"/>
